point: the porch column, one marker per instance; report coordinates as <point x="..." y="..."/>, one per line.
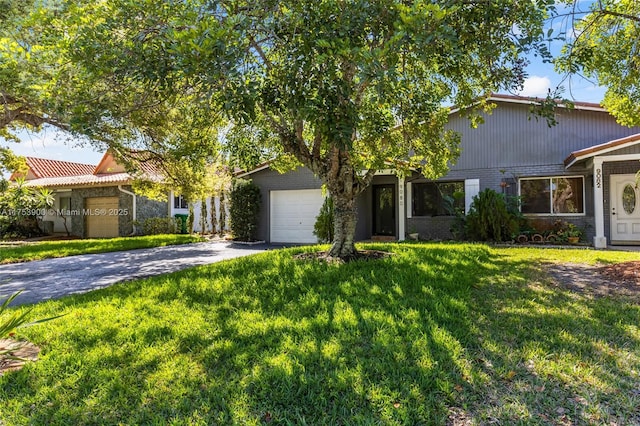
<point x="401" y="210"/>
<point x="599" y="240"/>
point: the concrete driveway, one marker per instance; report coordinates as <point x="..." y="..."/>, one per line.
<point x="54" y="278"/>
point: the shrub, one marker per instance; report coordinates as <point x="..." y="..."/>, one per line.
<point x="323" y="228"/>
<point x="10" y="324"/>
<point x="492" y="217"/>
<point x="244" y="209"/>
<point x="23" y="205"/>
<point x="160" y="225"/>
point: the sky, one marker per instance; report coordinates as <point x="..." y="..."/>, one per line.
<point x="54" y="145"/>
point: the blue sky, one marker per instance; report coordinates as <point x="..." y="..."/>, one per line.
<point x="541" y="76"/>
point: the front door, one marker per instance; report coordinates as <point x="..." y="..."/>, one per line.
<point x="625" y="210"/>
<point x="384" y="210"/>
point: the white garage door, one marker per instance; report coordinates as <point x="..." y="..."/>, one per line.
<point x="101" y="220"/>
<point x="293" y="214"/>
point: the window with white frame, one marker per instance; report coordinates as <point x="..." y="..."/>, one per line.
<point x="437" y="198"/>
<point x="179" y="202"/>
<point x="557" y="195"/>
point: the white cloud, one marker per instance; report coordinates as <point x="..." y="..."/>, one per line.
<point x="536" y="86"/>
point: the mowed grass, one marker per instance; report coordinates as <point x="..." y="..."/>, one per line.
<point x="435" y="334"/>
<point x="63" y="248"/>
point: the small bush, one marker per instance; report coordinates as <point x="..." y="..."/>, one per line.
<point x="323" y="228"/>
<point x="160" y="225"/>
<point x="8" y="325"/>
<point x="492" y="217"/>
<point x="244" y="209"/>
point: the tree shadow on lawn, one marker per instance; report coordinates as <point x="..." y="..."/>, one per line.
<point x="410" y="339"/>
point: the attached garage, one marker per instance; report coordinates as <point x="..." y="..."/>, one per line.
<point x="101" y="222"/>
<point x="293" y="215"/>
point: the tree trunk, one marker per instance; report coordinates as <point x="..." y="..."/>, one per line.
<point x="344" y="188"/>
<point x="345" y="218"/>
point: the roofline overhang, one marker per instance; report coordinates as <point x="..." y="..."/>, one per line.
<point x="258" y="168"/>
<point x="267" y="164"/>
<point x="82" y="185"/>
<point x="601" y="149"/>
<point x="523" y="100"/>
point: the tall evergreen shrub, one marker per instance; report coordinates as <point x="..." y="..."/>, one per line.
<point x="323" y="228"/>
<point x="244" y="209"/>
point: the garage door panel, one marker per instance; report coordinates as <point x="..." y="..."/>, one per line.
<point x="101" y="225"/>
<point x="293" y="215"/>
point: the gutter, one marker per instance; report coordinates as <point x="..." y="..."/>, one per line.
<point x="134" y="207"/>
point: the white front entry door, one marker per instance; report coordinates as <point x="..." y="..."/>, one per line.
<point x="625" y="210"/>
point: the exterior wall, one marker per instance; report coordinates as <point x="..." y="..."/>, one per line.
<point x="146" y="209"/>
<point x="78" y="222"/>
<point x="513" y="145"/>
<point x="270" y="180"/>
<point x="512" y="138"/>
<point x="364" y="203"/>
<point x="431" y="228"/>
<point x="197" y="213"/>
<point x="510" y="145"/>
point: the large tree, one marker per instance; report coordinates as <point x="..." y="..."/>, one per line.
<point x="604" y="43"/>
<point x="27" y="72"/>
<point x="40" y="83"/>
<point x="341" y="86"/>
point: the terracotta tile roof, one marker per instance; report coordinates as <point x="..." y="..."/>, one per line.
<point x="54" y="173"/>
<point x="85" y="180"/>
<point x="146" y="160"/>
<point x="592" y="151"/>
<point x="79" y="180"/>
<point x="44" y="168"/>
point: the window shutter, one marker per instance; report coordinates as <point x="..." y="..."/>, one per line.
<point x="471" y="189"/>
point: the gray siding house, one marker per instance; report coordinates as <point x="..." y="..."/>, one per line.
<point x="581" y="170"/>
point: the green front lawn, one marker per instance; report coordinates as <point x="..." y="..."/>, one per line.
<point x="433" y="334"/>
<point x="63" y="248"/>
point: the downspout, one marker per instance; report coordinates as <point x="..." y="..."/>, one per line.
<point x="134" y="207"/>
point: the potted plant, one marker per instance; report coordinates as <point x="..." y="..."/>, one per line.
<point x="573" y="233"/>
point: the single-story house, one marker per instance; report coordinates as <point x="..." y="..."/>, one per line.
<point x="581" y="170"/>
<point x="97" y="201"/>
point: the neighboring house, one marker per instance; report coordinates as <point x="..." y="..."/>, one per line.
<point x="580" y="170"/>
<point x="98" y="201"/>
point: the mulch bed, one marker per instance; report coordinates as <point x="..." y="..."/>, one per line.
<point x="600" y="281"/>
<point x="27" y="351"/>
<point x="361" y="255"/>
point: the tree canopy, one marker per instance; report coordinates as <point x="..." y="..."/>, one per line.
<point x="340" y="86"/>
<point x="605" y="45"/>
<point x="27" y="72"/>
